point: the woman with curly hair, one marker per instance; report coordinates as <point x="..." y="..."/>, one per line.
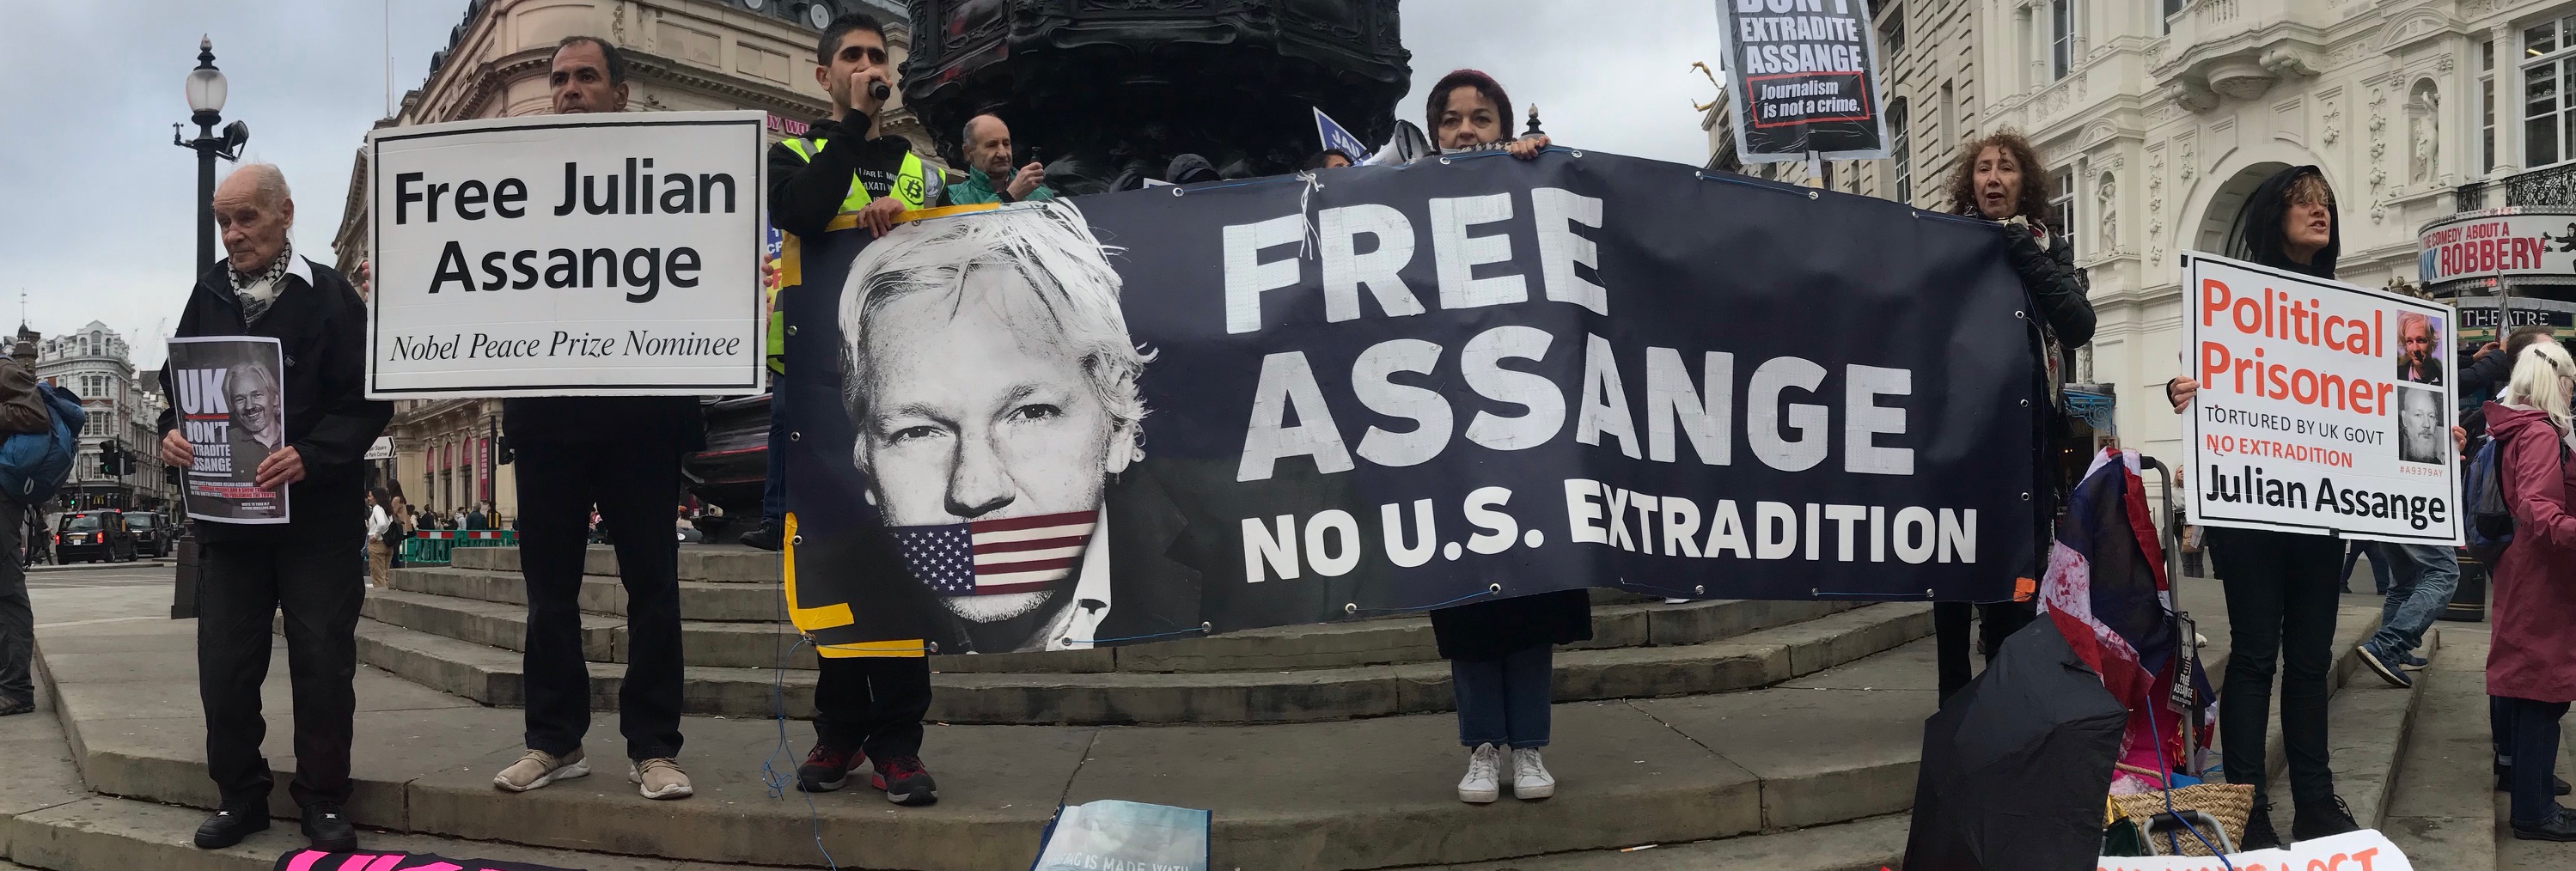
<point x="2001" y="181"/>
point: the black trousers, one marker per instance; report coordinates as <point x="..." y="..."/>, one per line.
<point x="2527" y="731"/>
<point x="240" y="588"/>
<point x="1950" y="635"/>
<point x="637" y="490"/>
<point x="17" y="616"/>
<point x="872" y="703"/>
<point x="2281" y="603"/>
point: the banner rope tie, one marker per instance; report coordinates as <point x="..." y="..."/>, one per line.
<point x="770" y="776"/>
<point x="1201" y="629"/>
<point x="1354" y="608"/>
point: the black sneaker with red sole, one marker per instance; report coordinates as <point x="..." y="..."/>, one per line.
<point x="904" y="780"/>
<point x="827" y="768"/>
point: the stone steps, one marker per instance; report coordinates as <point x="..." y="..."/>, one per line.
<point x="713" y="563"/>
<point x="1352" y="794"/>
<point x="453" y="603"/>
<point x="492" y="675"/>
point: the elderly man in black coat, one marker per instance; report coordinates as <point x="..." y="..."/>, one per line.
<point x="307" y="566"/>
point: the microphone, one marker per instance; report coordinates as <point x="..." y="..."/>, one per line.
<point x="878" y="91"/>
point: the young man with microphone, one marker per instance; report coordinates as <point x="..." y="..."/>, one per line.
<point x="869" y="698"/>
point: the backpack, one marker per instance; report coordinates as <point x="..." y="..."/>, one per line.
<point x="32" y="464"/>
<point x="2490" y="526"/>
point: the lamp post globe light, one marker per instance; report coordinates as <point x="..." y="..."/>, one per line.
<point x="206" y="91"/>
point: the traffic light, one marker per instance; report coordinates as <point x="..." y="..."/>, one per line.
<point x="108" y="454"/>
<point x="125" y="463"/>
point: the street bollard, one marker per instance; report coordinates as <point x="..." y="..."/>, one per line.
<point x="183" y="593"/>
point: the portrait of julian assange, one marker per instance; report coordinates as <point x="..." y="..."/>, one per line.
<point x="991" y="389"/>
<point x="257" y="427"/>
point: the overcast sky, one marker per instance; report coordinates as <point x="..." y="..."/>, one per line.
<point x="100" y="208"/>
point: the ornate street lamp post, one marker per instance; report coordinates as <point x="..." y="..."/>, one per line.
<point x="206" y="91"/>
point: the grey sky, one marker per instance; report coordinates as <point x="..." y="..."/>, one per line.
<point x="103" y="207"/>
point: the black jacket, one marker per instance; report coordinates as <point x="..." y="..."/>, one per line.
<point x="321" y="328"/>
<point x="804" y="195"/>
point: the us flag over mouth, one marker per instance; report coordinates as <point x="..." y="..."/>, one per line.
<point x="989" y="557"/>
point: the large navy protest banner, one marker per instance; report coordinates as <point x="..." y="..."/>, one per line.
<point x="1802" y="79"/>
<point x="1182" y="410"/>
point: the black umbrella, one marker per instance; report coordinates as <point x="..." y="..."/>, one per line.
<point x="2016" y="766"/>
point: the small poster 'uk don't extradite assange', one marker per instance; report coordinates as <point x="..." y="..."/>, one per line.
<point x="232" y="411"/>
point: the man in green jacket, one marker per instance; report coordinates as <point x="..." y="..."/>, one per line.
<point x="988" y="156"/>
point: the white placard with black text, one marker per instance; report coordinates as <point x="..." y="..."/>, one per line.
<point x="599" y="254"/>
<point x="2323" y="406"/>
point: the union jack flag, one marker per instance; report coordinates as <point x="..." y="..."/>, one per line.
<point x="989" y="557"/>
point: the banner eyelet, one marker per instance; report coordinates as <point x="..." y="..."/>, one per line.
<point x="2025" y="497"/>
<point x="1444" y="161"/>
<point x="2025" y="403"/>
<point x="1814" y="195"/>
<point x="1578" y="154"/>
<point x="791" y="329"/>
<point x="796" y="539"/>
<point x="1205" y="626"/>
<point x="798" y="436"/>
<point x="930" y="647"/>
<point x="1699" y="590"/>
<point x="1496" y="589"/>
<point x="1350" y="608"/>
<point x="2019" y="316"/>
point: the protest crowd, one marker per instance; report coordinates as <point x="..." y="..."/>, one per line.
<point x="609" y="468"/>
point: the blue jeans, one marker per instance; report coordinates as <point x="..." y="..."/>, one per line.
<point x="1504" y="701"/>
<point x="2427" y="575"/>
<point x="773" y="492"/>
<point x="2353" y="552"/>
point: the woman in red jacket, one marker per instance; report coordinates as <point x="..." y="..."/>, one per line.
<point x="2531" y="666"/>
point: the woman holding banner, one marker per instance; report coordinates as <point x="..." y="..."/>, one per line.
<point x="1994" y="186"/>
<point x="2531" y="669"/>
<point x="2281" y="586"/>
<point x="1500" y="651"/>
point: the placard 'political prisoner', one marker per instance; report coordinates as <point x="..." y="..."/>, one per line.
<point x="2322" y="405"/>
<point x="610" y="254"/>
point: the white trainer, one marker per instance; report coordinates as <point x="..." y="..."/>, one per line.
<point x="1484" y="771"/>
<point x="1530" y="779"/>
<point x="537" y="768"/>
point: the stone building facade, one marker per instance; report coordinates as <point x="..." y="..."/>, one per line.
<point x="680" y="55"/>
<point x="2161" y="117"/>
<point x="2155" y="119"/>
<point x="93" y="363"/>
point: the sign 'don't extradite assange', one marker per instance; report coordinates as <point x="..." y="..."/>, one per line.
<point x="1803" y="79"/>
<point x="232" y="411"/>
<point x="596" y="254"/>
<point x="2322" y="406"/>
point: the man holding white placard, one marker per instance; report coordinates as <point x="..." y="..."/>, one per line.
<point x="621" y="454"/>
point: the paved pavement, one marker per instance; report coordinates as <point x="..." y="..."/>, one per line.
<point x="105" y="592"/>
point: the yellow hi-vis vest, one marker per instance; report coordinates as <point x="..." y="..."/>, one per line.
<point x="909" y="189"/>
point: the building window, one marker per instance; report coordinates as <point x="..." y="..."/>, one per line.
<point x="2173" y="8"/>
<point x="2061" y="38"/>
<point x="2061" y="206"/>
<point x="1900" y="149"/>
<point x="1891" y="39"/>
<point x="2549" y="83"/>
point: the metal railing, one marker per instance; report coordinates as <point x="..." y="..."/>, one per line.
<point x="2548" y="186"/>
